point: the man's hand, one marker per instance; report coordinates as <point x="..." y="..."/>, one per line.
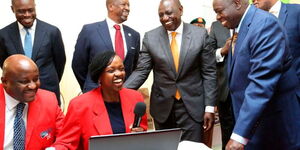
<point x="225" y="49"/>
<point x="209" y="119"/>
<point x="234" y="145"/>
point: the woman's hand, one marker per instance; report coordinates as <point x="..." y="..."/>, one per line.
<point x="137" y="129"/>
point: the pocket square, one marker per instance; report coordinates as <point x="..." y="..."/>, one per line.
<point x="46" y="134"/>
<point x="132" y="47"/>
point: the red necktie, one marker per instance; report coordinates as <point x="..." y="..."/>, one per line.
<point x="119" y="45"/>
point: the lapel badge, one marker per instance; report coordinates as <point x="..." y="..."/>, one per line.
<point x="129" y="34"/>
<point x="46" y="134"/>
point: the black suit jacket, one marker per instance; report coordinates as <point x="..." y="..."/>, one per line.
<point x="217" y="37"/>
<point x="48" y="52"/>
<point x="95" y="38"/>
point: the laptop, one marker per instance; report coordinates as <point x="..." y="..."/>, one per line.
<point x="167" y="139"/>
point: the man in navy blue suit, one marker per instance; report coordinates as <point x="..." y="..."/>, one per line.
<point x="100" y="36"/>
<point x="289" y="16"/>
<point x="262" y="82"/>
<point x="46" y="47"/>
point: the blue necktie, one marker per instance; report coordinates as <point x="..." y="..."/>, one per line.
<point x="19" y="129"/>
<point x="28" y="44"/>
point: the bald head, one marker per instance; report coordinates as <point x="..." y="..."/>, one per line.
<point x="20" y="78"/>
<point x="264" y="4"/>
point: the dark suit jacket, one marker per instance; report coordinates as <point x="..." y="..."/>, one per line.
<point x="196" y="77"/>
<point x="217" y="38"/>
<point x="263" y="84"/>
<point x="48" y="52"/>
<point x="289" y="16"/>
<point x="87" y="116"/>
<point x="95" y="38"/>
<point x="44" y="120"/>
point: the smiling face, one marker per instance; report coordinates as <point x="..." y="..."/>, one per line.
<point x="24" y="11"/>
<point x="228" y="12"/>
<point x="20" y="78"/>
<point x="113" y="76"/>
<point x="118" y="10"/>
<point x="170" y="13"/>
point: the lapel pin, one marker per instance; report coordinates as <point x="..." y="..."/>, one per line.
<point x="129" y="34"/>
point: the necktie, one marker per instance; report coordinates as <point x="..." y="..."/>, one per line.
<point x="175" y="53"/>
<point x="19" y="129"/>
<point x="234" y="38"/>
<point x="28" y="44"/>
<point x="119" y="45"/>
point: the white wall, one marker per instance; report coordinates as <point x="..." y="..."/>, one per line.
<point x="70" y="15"/>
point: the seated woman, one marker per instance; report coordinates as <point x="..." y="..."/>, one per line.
<point x="108" y="109"/>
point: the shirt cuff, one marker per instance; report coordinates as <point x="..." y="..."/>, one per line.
<point x="239" y="139"/>
<point x="210" y="109"/>
<point x="219" y="57"/>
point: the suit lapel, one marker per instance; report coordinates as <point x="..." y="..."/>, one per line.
<point x="165" y="45"/>
<point x="126" y="107"/>
<point x="241" y="36"/>
<point x="185" y="44"/>
<point x="39" y="36"/>
<point x="2" y="115"/>
<point x="104" y="34"/>
<point x="100" y="119"/>
<point x="16" y="38"/>
<point x="128" y="39"/>
<point x="32" y="118"/>
<point x="283" y="13"/>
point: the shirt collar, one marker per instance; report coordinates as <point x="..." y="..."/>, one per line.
<point x="111" y="23"/>
<point x="275" y="8"/>
<point x="179" y="30"/>
<point x="239" y="26"/>
<point x="21" y="27"/>
<point x="10" y="102"/>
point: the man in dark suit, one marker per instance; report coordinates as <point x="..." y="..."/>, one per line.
<point x="101" y="36"/>
<point x="220" y="40"/>
<point x="289" y="16"/>
<point x="262" y="82"/>
<point x="36" y="39"/>
<point x="184" y="88"/>
<point x="30" y="118"/>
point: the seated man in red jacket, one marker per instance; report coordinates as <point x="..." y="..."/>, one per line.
<point x="30" y="118"/>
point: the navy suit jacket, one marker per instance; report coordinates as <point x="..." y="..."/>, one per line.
<point x="289" y="16"/>
<point x="48" y="52"/>
<point x="95" y="38"/>
<point x="263" y="84"/>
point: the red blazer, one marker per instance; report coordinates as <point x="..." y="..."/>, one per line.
<point x="87" y="116"/>
<point x="44" y="120"/>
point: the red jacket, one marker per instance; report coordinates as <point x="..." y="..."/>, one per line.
<point x="44" y="120"/>
<point x="87" y="116"/>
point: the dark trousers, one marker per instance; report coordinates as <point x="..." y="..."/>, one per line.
<point x="180" y="118"/>
<point x="226" y="120"/>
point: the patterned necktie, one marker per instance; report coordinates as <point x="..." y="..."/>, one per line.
<point x="19" y="129"/>
<point x="119" y="45"/>
<point x="175" y="53"/>
<point x="234" y="38"/>
<point x="28" y="44"/>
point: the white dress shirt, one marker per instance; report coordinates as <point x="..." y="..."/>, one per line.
<point x="22" y="32"/>
<point x="112" y="32"/>
<point x="275" y="9"/>
<point x="10" y="114"/>
<point x="179" y="32"/>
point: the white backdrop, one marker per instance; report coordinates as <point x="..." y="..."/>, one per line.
<point x="70" y="15"/>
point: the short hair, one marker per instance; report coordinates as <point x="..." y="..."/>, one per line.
<point x="99" y="62"/>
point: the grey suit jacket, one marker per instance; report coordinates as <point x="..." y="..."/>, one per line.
<point x="196" y="77"/>
<point x="48" y="52"/>
<point x="217" y="38"/>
